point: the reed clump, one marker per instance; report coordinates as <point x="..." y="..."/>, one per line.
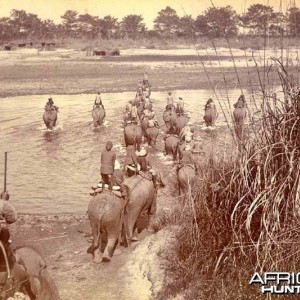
<point x="244" y="215"/>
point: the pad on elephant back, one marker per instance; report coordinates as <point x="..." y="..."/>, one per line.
<point x="99" y="185"/>
<point x="115" y="187"/>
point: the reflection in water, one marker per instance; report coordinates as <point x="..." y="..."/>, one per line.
<point x="51" y="171"/>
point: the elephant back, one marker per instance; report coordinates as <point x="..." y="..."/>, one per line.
<point x="210" y="116"/>
<point x="50" y="115"/>
<point x="166" y="116"/>
<point x="152" y="131"/>
<point x="138" y="189"/>
<point x="144" y="123"/>
<point x="171" y="141"/>
<point x="101" y="203"/>
<point x="132" y="133"/>
<point x="186" y="175"/>
<point x="173" y="119"/>
<point x="41" y="282"/>
<point x="98" y="114"/>
<point x="239" y="115"/>
<point x="181" y="121"/>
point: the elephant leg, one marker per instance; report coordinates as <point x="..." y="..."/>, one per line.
<point x="112" y="241"/>
<point x="95" y="234"/>
<point x="135" y="233"/>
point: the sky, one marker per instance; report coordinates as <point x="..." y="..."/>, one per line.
<point x="54" y="9"/>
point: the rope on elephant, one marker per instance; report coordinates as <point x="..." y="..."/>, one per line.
<point x="16" y="285"/>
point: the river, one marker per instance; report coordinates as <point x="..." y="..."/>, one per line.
<point x="52" y="171"/>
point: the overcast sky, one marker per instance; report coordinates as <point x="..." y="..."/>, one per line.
<point x="53" y="9"/>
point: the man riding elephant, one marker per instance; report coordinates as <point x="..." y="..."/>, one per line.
<point x="118" y="175"/>
<point x="187" y="168"/>
<point x="240" y="103"/>
<point x="98" y="101"/>
<point x="239" y="117"/>
<point x="50" y="114"/>
<point x="108" y="158"/>
<point x="210" y="115"/>
<point x="130" y="163"/>
<point x="180" y="107"/>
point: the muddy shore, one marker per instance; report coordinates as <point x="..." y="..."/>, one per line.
<point x="53" y="74"/>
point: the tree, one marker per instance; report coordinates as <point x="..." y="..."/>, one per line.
<point x="258" y="18"/>
<point x="5" y="28"/>
<point x="24" y="25"/>
<point x="109" y="27"/>
<point x="48" y="29"/>
<point x="186" y="27"/>
<point x="69" y="22"/>
<point x="294" y="21"/>
<point x="167" y="21"/>
<point x="201" y="27"/>
<point x="132" y="26"/>
<point x="218" y="22"/>
<point x="86" y="26"/>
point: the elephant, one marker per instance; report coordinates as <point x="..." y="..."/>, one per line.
<point x="133" y="135"/>
<point x="105" y="212"/>
<point x="167" y="119"/>
<point x="50" y="118"/>
<point x="171" y="145"/>
<point x="180" y="123"/>
<point x="29" y="275"/>
<point x="210" y="116"/>
<point x="144" y="124"/>
<point x="239" y="116"/>
<point x="140" y="110"/>
<point x="41" y="283"/>
<point x="186" y="178"/>
<point x="152" y="134"/>
<point x="141" y="194"/>
<point x="98" y="114"/>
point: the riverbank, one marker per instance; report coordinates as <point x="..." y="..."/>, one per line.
<point x="62" y="71"/>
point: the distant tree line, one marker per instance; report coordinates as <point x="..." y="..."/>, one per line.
<point x="214" y="22"/>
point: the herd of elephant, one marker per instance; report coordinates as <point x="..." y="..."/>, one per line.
<point x="116" y="217"/>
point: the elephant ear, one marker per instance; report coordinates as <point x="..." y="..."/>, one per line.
<point x="125" y="193"/>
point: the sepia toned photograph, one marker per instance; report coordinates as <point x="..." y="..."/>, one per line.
<point x="149" y="150"/>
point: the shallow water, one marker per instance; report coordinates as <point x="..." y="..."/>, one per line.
<point x="52" y="171"/>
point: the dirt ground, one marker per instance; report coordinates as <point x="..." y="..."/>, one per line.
<point x="56" y="72"/>
<point x="134" y="273"/>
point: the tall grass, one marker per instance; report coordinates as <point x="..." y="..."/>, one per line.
<point x="244" y="214"/>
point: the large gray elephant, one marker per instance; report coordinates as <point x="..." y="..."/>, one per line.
<point x="239" y="116"/>
<point x="152" y="134"/>
<point x="105" y="212"/>
<point x="50" y="117"/>
<point x="133" y="135"/>
<point x="171" y="145"/>
<point x="98" y="114"/>
<point x="186" y="178"/>
<point x="141" y="194"/>
<point x="180" y="122"/>
<point x="210" y="116"/>
<point x="40" y="285"/>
